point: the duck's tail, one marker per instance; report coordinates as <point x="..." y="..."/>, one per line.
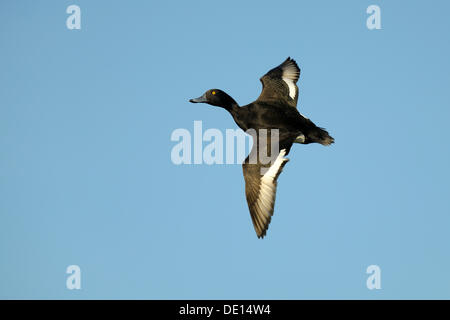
<point x="320" y="135"/>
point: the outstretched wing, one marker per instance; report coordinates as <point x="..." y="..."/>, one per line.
<point x="261" y="180"/>
<point x="279" y="84"/>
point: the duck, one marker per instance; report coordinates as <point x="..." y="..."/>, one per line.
<point x="275" y="124"/>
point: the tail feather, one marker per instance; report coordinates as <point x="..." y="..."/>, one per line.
<point x="320" y="135"/>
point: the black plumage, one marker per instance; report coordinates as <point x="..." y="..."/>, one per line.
<point x="275" y="108"/>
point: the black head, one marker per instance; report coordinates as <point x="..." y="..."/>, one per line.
<point x="215" y="97"/>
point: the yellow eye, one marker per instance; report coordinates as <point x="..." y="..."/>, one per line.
<point x="213" y="92"/>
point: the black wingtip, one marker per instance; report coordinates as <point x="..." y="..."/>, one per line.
<point x="290" y="59"/>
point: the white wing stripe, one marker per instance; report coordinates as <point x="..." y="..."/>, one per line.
<point x="290" y="76"/>
<point x="291" y="86"/>
<point x="266" y="198"/>
<point x="275" y="167"/>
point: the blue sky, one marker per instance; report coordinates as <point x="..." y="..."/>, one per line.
<point x="86" y="176"/>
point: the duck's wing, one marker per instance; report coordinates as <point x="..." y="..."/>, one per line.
<point x="279" y="84"/>
<point x="261" y="179"/>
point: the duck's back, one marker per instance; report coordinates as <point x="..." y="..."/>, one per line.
<point x="262" y="115"/>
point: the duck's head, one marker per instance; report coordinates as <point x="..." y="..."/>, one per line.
<point x="215" y="97"/>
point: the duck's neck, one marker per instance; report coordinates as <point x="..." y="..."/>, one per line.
<point x="232" y="107"/>
<point x="229" y="104"/>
